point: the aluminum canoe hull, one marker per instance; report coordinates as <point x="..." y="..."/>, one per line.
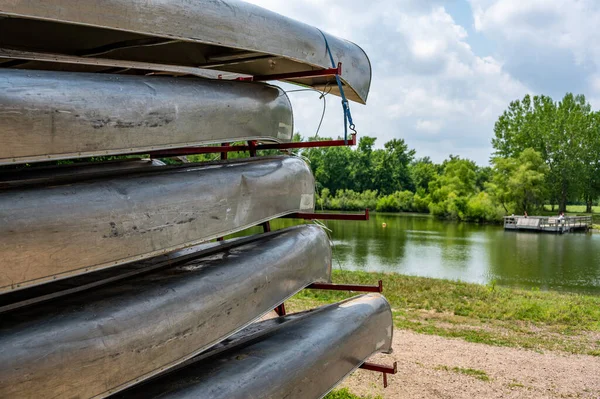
<point x="227" y="35"/>
<point x="51" y="231"/>
<point x="300" y="356"/>
<point x="98" y="342"/>
<point x="47" y="115"/>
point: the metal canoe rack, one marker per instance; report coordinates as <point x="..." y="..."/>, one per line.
<point x="378" y="368"/>
<point x="329" y="216"/>
<point x="252" y="147"/>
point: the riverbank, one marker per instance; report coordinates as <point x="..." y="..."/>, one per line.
<point x="538" y="320"/>
<point x="478" y="336"/>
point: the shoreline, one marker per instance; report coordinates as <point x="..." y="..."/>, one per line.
<point x="594" y="229"/>
<point x="489" y="314"/>
<point x="473" y="340"/>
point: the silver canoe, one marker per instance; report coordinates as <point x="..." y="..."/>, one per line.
<point x="100" y="341"/>
<point x="227" y="35"/>
<point x="46" y="115"/>
<point x="53" y="230"/>
<point x="300" y="356"/>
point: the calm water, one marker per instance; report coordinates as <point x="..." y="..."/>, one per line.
<point x="423" y="246"/>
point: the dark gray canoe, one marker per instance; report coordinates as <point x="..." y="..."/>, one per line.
<point x="301" y="356"/>
<point x="179" y="36"/>
<point x="53" y="229"/>
<point x="47" y="115"/>
<point x="99" y="341"/>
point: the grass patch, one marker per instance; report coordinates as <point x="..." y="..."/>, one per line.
<point x="344" y="393"/>
<point x="479" y="374"/>
<point x="491" y="315"/>
<point x="516" y="385"/>
<point x="574" y="208"/>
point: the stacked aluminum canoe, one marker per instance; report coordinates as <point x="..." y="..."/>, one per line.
<point x="110" y="280"/>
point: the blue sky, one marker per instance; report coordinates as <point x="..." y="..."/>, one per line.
<point x="443" y="71"/>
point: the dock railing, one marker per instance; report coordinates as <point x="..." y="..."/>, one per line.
<point x="548" y="222"/>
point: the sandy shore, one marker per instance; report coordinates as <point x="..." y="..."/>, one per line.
<point x="433" y="367"/>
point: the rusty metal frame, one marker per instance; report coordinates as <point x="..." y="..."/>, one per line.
<point x="329" y="216"/>
<point x="252" y="147"/>
<point x="347" y="287"/>
<point x="379" y="368"/>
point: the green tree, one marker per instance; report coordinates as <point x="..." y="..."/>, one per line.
<point x="423" y="172"/>
<point x="362" y="167"/>
<point x="518" y="184"/>
<point x="450" y="192"/>
<point x="590" y="156"/>
<point x="391" y="167"/>
<point x="332" y="167"/>
<point x="557" y="131"/>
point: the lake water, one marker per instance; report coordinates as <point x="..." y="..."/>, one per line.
<point x="423" y="246"/>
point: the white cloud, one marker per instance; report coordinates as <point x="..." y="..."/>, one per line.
<point x="429" y="87"/>
<point x="552" y="46"/>
<point x="428" y="126"/>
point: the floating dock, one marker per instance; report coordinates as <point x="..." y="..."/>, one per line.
<point x="549" y="224"/>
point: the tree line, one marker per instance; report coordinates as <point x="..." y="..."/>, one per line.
<point x="546" y="152"/>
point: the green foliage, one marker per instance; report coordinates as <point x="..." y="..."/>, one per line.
<point x="450" y="191"/>
<point x="345" y="393"/>
<point x="479" y="374"/>
<point x="347" y="200"/>
<point x="423" y="172"/>
<point x="400" y="201"/>
<point x="421" y="201"/>
<point x="481" y="208"/>
<point x="565" y="134"/>
<point x="519" y="183"/>
<point x="383" y="170"/>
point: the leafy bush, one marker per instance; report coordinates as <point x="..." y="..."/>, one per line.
<point x="400" y="201"/>
<point x="347" y="200"/>
<point x="389" y="203"/>
<point x="482" y="208"/>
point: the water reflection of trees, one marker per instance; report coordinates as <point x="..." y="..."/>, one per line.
<point x="545" y="261"/>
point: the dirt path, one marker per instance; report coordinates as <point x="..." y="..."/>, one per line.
<point x="426" y="369"/>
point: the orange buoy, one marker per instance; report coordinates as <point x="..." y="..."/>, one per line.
<point x="384" y="225"/>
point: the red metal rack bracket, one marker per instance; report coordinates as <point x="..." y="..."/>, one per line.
<point x="252" y="148"/>
<point x="294" y="75"/>
<point x="329" y="216"/>
<point x="280" y="310"/>
<point x="347" y="287"/>
<point x="224" y="153"/>
<point x="256" y="147"/>
<point x="385" y="370"/>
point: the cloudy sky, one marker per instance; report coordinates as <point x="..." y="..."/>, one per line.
<point x="443" y="71"/>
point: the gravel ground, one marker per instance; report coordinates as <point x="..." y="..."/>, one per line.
<point x="426" y="363"/>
